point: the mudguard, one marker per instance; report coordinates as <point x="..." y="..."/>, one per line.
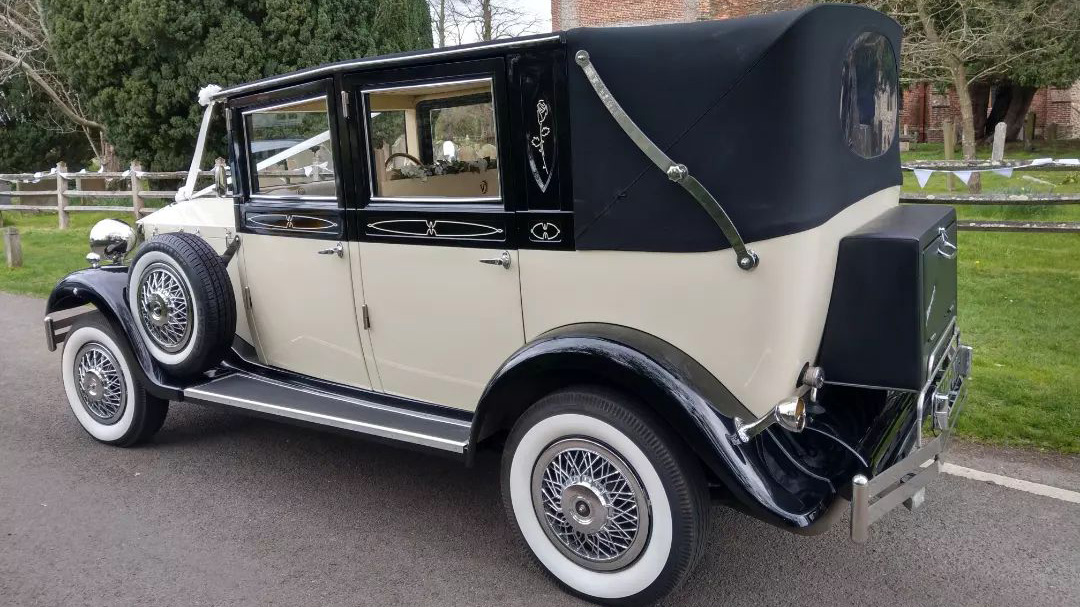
<point x="105" y="288"/>
<point x="785" y="479"/>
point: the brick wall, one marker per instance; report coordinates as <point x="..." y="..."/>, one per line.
<point x="566" y="14"/>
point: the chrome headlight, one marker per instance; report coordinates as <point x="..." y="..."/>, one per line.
<point x="112" y="239"/>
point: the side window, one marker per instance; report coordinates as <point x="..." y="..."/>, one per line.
<point x="869" y="95"/>
<point x="434" y="142"/>
<point x="290" y="151"/>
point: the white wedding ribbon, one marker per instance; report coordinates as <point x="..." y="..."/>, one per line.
<point x="923" y="175"/>
<point x="305" y="145"/>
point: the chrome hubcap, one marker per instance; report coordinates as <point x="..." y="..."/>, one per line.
<point x="590" y="504"/>
<point x="100" y="383"/>
<point x="164" y="307"/>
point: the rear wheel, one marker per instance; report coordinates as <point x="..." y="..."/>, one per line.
<point x="605" y="497"/>
<point x="106" y="397"/>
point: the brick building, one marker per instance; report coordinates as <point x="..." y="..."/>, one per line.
<point x="923" y="109"/>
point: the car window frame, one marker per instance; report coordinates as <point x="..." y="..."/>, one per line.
<point x="243" y="106"/>
<point x="491" y="202"/>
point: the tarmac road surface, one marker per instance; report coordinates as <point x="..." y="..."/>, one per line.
<point x="224" y="509"/>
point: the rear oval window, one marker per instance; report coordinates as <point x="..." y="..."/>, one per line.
<point x="869" y="99"/>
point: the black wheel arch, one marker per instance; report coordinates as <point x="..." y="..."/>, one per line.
<point x="677" y="388"/>
<point x="105" y="288"/>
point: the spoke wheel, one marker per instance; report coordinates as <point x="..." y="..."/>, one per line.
<point x="164" y="304"/>
<point x="100" y="383"/>
<point x="590" y="504"/>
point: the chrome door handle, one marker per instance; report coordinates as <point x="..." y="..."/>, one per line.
<point x="338" y="249"/>
<point x="502" y="260"/>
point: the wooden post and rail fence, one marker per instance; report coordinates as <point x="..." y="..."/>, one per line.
<point x="62" y="194"/>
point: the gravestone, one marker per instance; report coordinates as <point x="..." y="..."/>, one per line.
<point x="998" y="153"/>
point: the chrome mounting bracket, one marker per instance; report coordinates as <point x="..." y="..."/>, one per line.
<point x="746" y="258"/>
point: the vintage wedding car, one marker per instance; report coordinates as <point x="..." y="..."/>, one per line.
<point x="654" y="265"/>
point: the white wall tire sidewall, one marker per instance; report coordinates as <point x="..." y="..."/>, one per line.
<point x="608" y="585"/>
<point x="160" y="355"/>
<point x="72" y="345"/>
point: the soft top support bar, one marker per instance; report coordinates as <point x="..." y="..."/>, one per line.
<point x="746" y="258"/>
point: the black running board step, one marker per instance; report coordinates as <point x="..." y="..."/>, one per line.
<point x="254" y="393"/>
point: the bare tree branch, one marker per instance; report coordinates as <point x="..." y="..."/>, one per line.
<point x="25" y="51"/>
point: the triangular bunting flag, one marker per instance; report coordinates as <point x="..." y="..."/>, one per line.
<point x="1004" y="172"/>
<point x="922" y="175"/>
<point x="964" y="176"/>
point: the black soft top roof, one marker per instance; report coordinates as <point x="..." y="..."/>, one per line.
<point x="751" y="106"/>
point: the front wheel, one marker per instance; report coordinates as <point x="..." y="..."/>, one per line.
<point x="106" y="397"/>
<point x="605" y="497"/>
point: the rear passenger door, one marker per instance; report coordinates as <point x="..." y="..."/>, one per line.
<point x="434" y="225"/>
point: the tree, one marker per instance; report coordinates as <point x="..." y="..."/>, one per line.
<point x="1014" y="88"/>
<point x="139" y="63"/>
<point x="31" y="80"/>
<point x="34" y="134"/>
<point x="493" y="19"/>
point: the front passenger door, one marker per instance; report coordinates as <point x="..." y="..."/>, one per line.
<point x="297" y="271"/>
<point x="440" y="275"/>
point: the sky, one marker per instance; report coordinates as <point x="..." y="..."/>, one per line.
<point x="541" y="9"/>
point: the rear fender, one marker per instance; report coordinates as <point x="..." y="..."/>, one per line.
<point x="105" y="288"/>
<point x="682" y="392"/>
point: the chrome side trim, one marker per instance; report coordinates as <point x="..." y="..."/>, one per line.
<point x="375" y="61"/>
<point x="322" y="394"/>
<point x="745" y="258"/>
<point x="426" y="85"/>
<point x="485" y="200"/>
<point x="278" y="106"/>
<point x="363" y="417"/>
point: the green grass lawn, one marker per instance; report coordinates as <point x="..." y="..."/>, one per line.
<point x="49" y="253"/>
<point x="1019" y="308"/>
<point x="1019" y="303"/>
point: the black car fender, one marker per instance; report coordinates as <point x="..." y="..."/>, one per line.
<point x="105" y="288"/>
<point x="681" y="391"/>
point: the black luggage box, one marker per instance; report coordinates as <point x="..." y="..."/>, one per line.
<point x="893" y="299"/>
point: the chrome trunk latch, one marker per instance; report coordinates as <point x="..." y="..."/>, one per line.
<point x="746" y="258"/>
<point x="945" y="248"/>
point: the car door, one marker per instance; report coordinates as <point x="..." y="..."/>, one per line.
<point x="297" y="274"/>
<point x="435" y="226"/>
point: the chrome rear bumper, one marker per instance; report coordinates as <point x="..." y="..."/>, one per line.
<point x="904" y="481"/>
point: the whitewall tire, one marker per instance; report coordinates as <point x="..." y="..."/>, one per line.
<point x="604" y="496"/>
<point x="105" y="395"/>
<point x="182" y="300"/>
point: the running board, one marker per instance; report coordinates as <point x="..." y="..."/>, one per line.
<point x="270" y="397"/>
